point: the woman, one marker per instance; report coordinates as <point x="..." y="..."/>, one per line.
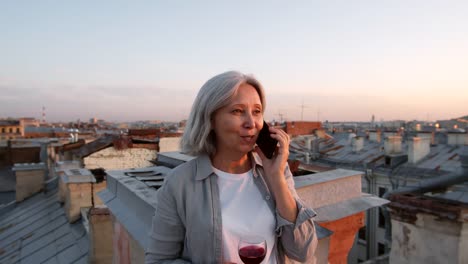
<point x="230" y="189"/>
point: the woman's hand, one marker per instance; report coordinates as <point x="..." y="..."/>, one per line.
<point x="274" y="167"/>
<point x="274" y="175"/>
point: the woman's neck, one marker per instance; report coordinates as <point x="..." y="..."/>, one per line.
<point x="231" y="164"/>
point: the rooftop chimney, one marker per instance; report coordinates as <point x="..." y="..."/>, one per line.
<point x="457" y="139"/>
<point x="430" y="135"/>
<point x="357" y="143"/>
<point x="29" y="179"/>
<point x="464" y="158"/>
<point x="60" y="167"/>
<point x="308" y="143"/>
<point x="79" y="192"/>
<point x="392" y="145"/>
<point x="100" y="235"/>
<point x="375" y="136"/>
<point x="418" y="148"/>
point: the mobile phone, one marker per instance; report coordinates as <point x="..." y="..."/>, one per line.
<point x="265" y="142"/>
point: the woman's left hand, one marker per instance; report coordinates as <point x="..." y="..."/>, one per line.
<point x="274" y="167"/>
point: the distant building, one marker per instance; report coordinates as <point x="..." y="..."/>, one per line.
<point x="11" y="129"/>
<point x="389" y="160"/>
<point x="296" y="128"/>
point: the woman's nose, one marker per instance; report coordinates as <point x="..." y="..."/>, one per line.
<point x="249" y="121"/>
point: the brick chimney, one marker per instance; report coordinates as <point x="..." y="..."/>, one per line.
<point x="418" y="148"/>
<point x="392" y="145"/>
<point x="60" y="167"/>
<point x="79" y="193"/>
<point x="29" y="179"/>
<point x="100" y="235"/>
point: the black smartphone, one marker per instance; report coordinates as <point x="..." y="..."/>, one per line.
<point x="266" y="143"/>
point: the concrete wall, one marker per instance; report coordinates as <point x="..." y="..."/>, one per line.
<point x="422" y="241"/>
<point x="112" y="159"/>
<point x="331" y="192"/>
<point x="169" y="144"/>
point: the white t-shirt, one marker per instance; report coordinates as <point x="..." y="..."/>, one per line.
<point x="244" y="212"/>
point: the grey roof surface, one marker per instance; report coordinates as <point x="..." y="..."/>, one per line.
<point x="442" y="157"/>
<point x="37" y="231"/>
<point x="370" y="151"/>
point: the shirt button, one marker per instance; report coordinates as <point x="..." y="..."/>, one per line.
<point x="267" y="197"/>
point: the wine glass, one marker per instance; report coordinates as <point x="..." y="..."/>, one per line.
<point x="252" y="249"/>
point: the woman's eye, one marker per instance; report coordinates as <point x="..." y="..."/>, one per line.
<point x="237" y="111"/>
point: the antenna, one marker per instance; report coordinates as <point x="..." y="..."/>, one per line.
<point x="43" y="115"/>
<point x="280" y="116"/>
<point x="302" y="110"/>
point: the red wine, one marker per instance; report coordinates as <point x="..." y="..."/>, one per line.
<point x="252" y="254"/>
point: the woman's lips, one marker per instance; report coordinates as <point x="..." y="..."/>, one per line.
<point x="248" y="139"/>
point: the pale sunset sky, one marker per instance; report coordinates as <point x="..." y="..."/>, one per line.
<point x="146" y="60"/>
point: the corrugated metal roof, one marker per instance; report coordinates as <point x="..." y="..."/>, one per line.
<point x="37" y="231"/>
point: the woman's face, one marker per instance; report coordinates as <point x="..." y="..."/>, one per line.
<point x="237" y="125"/>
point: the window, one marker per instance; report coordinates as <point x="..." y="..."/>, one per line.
<point x="381" y="219"/>
<point x="362" y="233"/>
<point x="11" y="130"/>
<point x="381" y="249"/>
<point x="382" y="191"/>
<point x="3" y="130"/>
<point x="18" y="130"/>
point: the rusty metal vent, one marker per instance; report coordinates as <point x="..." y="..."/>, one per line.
<point x="151" y="178"/>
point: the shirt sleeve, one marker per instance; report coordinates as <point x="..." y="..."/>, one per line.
<point x="165" y="241"/>
<point x="299" y="239"/>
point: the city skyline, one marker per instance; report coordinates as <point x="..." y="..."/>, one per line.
<point x="335" y="61"/>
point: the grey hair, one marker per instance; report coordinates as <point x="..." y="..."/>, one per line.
<point x="213" y="95"/>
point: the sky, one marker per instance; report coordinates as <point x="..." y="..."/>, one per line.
<point x="318" y="60"/>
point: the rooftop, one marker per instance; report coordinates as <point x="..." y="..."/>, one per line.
<point x="37" y="231"/>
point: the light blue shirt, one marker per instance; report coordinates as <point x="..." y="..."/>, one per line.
<point x="187" y="224"/>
